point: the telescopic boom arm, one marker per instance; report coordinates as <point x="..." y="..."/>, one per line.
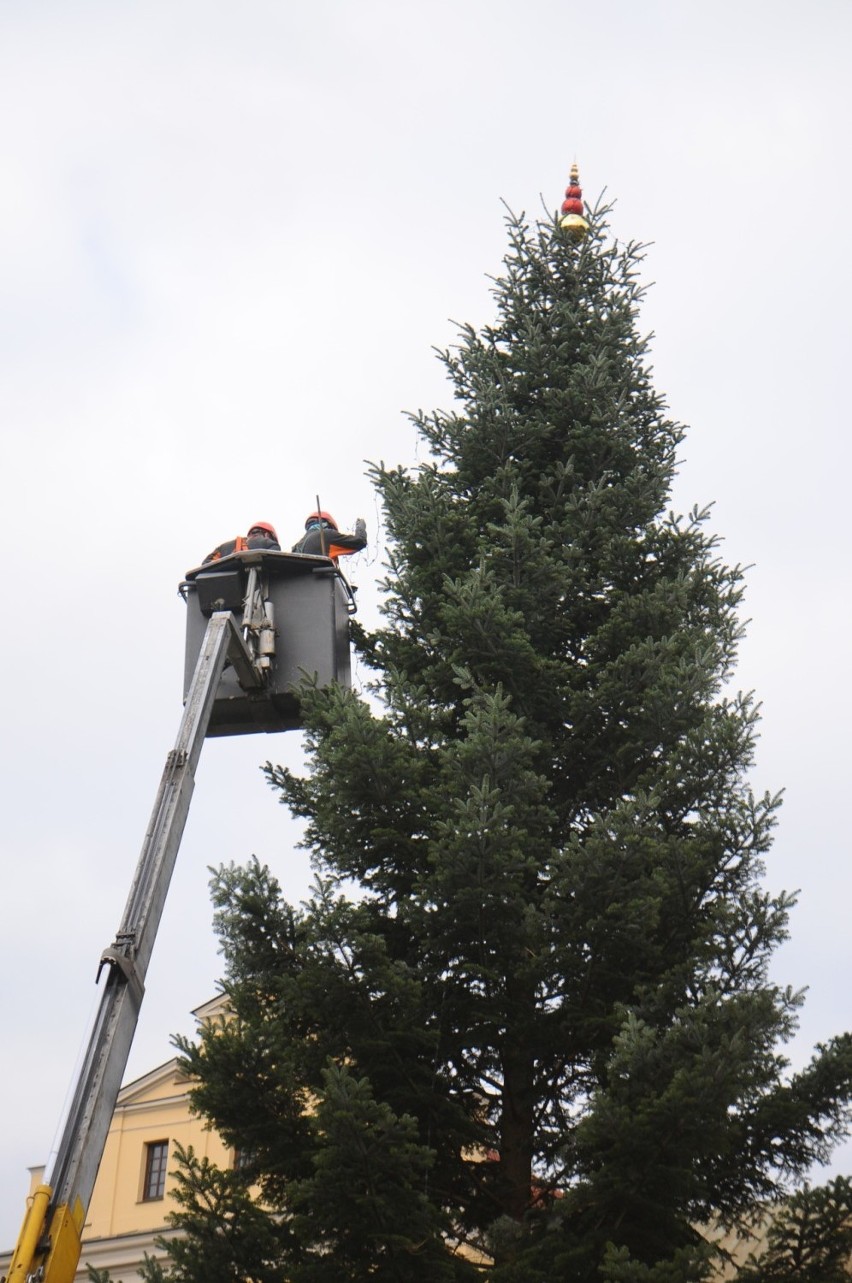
<point x="48" y="1247"/>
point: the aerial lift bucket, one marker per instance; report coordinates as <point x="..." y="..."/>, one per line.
<point x="301" y="630"/>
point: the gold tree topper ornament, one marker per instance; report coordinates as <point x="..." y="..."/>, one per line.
<point x="572" y="220"/>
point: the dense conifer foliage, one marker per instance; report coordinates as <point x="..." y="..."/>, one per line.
<point x="525" y="1024"/>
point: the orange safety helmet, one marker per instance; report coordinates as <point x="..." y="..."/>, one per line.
<point x="265" y="527"/>
<point x="318" y="517"/>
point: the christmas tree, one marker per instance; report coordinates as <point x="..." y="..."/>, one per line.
<point x="540" y="1039"/>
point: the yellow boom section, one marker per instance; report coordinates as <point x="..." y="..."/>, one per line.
<point x="54" y="1247"/>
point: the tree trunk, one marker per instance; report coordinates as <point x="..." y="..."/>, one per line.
<point x="516" y="1130"/>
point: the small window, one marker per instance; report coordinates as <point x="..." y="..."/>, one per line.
<point x="156" y="1159"/>
<point x="244" y="1156"/>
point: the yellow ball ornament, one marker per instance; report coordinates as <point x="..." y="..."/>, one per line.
<point x="575" y="226"/>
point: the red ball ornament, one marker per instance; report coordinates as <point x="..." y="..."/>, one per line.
<point x="574" y="191"/>
<point x="572" y="207"/>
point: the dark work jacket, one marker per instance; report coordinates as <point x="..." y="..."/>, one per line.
<point x="336" y="544"/>
<point x="243" y="543"/>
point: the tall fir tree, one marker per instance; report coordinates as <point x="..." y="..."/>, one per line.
<point x="540" y="1039"/>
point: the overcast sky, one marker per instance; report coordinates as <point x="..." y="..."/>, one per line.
<point x="229" y="238"/>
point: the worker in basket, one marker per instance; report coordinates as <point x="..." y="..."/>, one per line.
<point x="261" y="537"/>
<point x="323" y="539"/>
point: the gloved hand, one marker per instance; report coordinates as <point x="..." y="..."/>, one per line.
<point x="360" y="530"/>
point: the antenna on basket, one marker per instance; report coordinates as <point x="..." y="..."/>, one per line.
<point x="321" y="528"/>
